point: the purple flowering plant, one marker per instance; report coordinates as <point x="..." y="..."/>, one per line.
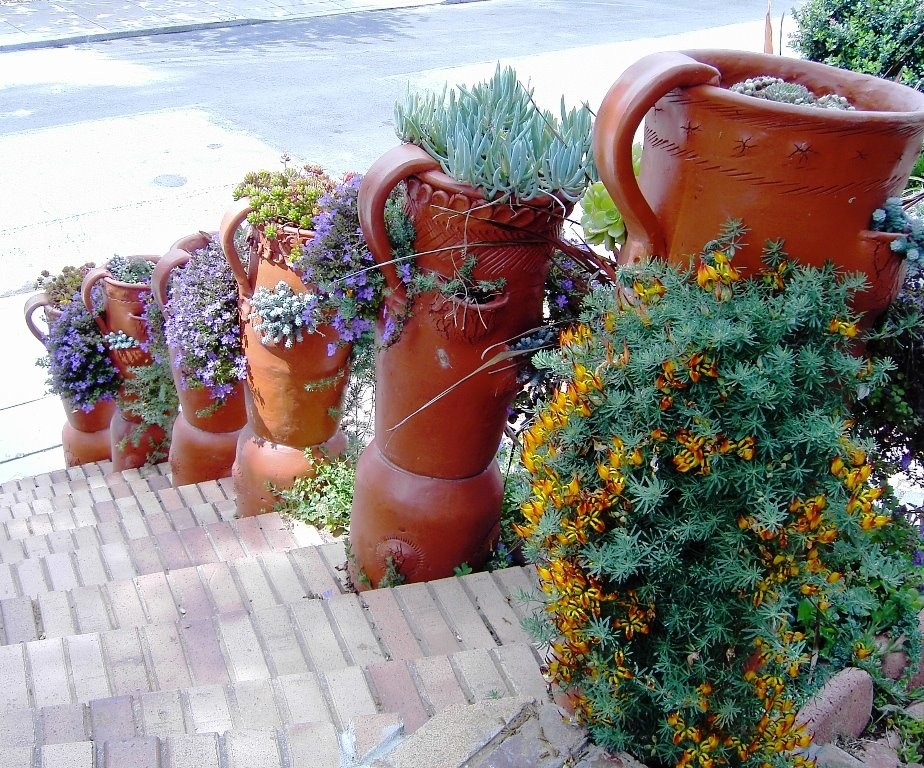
<point x="79" y="369"/>
<point x="202" y="327"/>
<point x="348" y="285"/>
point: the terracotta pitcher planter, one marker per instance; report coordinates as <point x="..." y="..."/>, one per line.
<point x="205" y="433"/>
<point x="293" y="395"/>
<point x="428" y="489"/>
<point x="123" y="309"/>
<point x="85" y="435"/>
<point x="809" y="176"/>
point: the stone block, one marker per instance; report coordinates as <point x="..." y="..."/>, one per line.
<point x="842" y="707"/>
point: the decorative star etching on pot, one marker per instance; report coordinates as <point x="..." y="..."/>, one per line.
<point x="743" y="145"/>
<point x="801" y="153"/>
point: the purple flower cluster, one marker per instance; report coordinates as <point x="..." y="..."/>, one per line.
<point x="338" y="263"/>
<point x="202" y="326"/>
<point x="79" y="369"/>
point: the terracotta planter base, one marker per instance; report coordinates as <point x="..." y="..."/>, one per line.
<point x="259" y="463"/>
<point x="132" y="456"/>
<point x="197" y="455"/>
<point x="84" y="447"/>
<point x="85" y="436"/>
<point x="426" y="525"/>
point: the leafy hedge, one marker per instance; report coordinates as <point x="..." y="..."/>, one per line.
<point x="878" y="37"/>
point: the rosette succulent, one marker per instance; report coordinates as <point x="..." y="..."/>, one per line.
<point x="62" y="287"/>
<point x="284" y="198"/>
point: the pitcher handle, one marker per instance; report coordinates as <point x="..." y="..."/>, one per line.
<point x="86" y="289"/>
<point x="32" y="304"/>
<point x="385" y="174"/>
<point x="160" y="279"/>
<point x="246" y="278"/>
<point x="622" y="111"/>
<point x="193" y="242"/>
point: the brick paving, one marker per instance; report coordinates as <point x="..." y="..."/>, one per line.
<point x="145" y="625"/>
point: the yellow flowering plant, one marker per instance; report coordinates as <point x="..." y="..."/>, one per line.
<point x="701" y="512"/>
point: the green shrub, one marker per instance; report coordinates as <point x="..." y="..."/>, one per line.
<point x="323" y="499"/>
<point x="878" y="37"/>
<point x="701" y="512"/>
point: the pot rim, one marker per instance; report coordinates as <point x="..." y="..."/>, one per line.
<point x="443" y="181"/>
<point x="817" y="77"/>
<point x="120" y="284"/>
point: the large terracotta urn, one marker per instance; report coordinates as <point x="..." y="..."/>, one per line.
<point x="293" y="395"/>
<point x="428" y="489"/>
<point x="809" y="176"/>
<point x="85" y="434"/>
<point x="132" y="443"/>
<point x="205" y="433"/>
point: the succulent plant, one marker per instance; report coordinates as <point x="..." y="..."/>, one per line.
<point x="282" y="316"/>
<point x="494" y="137"/>
<point x="120" y="340"/>
<point x="892" y="217"/>
<point x="776" y="89"/>
<point x="62" y="287"/>
<point x="130" y="269"/>
<point x="600" y="218"/>
<point x="287" y="197"/>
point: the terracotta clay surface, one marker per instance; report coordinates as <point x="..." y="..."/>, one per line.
<point x="261" y="465"/>
<point x="425" y="525"/>
<point x="123" y="310"/>
<point x="442" y="389"/>
<point x="204" y="435"/>
<point x="130" y="451"/>
<point x="33" y="303"/>
<point x="809" y="176"/>
<point x="85" y="435"/>
<point x="293" y="394"/>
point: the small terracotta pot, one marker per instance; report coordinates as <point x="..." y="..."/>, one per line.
<point x="85" y="435"/>
<point x="441" y="403"/>
<point x="123" y="310"/>
<point x="293" y="395"/>
<point x="811" y="177"/>
<point x="204" y="435"/>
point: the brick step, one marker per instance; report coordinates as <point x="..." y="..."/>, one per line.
<point x="89" y="484"/>
<point x="306" y="745"/>
<point x="411" y="691"/>
<point x="100" y="562"/>
<point x="133" y="516"/>
<point x="115" y="589"/>
<point x="311" y="635"/>
<point x="143" y="506"/>
<point x="86" y="526"/>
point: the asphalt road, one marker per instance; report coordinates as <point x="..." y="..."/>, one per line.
<point x="324" y="88"/>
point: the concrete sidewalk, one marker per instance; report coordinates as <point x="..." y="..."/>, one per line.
<point x="29" y="24"/>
